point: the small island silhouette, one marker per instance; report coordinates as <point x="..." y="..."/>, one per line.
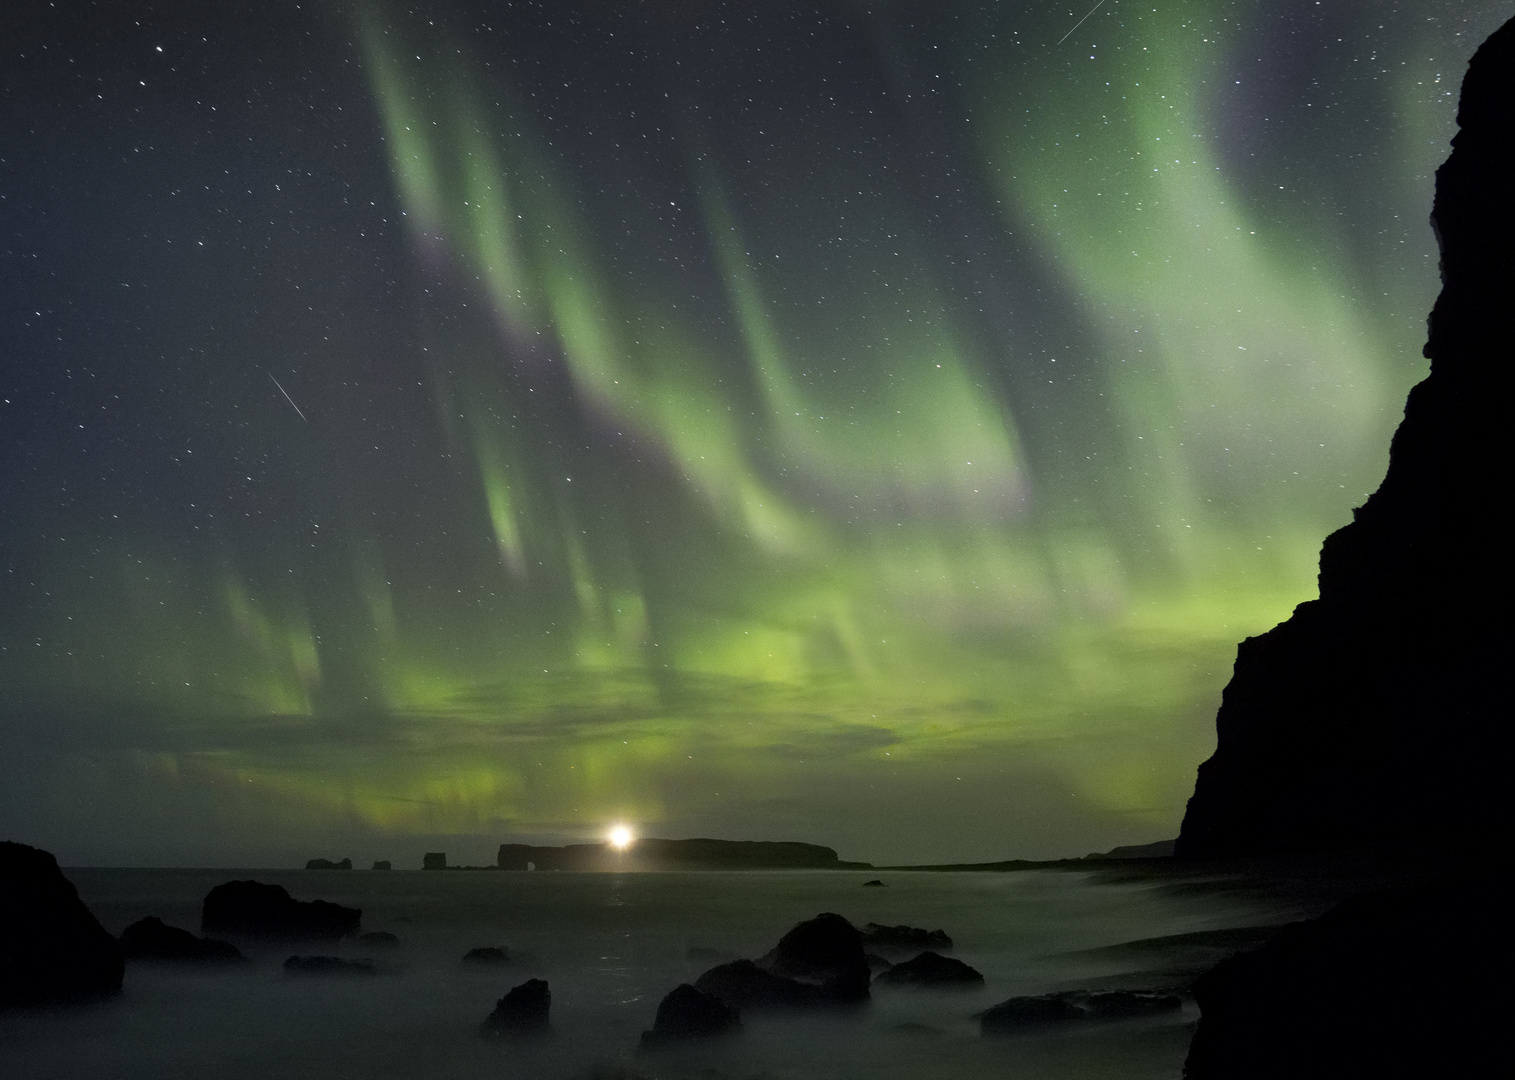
<point x="651" y="853"/>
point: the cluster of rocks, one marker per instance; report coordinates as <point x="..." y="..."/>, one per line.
<point x="820" y="963"/>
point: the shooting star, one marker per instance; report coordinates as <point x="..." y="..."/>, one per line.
<point x="291" y="400"/>
<point x="1060" y="40"/>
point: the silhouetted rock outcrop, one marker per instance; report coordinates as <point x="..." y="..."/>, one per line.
<point x="825" y="952"/>
<point x="1364" y="719"/>
<point x="687" y="1013"/>
<point x="931" y="969"/>
<point x="522" y="1011"/>
<point x="52" y="949"/>
<point x="382" y="864"/>
<point x="327" y="864"/>
<point x="253" y="909"/>
<point x="434" y="860"/>
<point x="153" y="939"/>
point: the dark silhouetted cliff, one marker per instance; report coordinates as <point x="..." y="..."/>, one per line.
<point x="1374" y="716"/>
<point x="1370" y="717"/>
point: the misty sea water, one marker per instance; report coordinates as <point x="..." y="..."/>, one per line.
<point x="610" y="946"/>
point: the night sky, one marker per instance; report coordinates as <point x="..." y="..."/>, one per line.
<point x="872" y="424"/>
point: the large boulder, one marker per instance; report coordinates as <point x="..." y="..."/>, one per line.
<point x="743" y="985"/>
<point x="825" y="952"/>
<point x="153" y="939"/>
<point x="52" y="949"/>
<point x="253" y="909"/>
<point x="687" y="1013"/>
<point x="931" y="969"/>
<point x="522" y="1011"/>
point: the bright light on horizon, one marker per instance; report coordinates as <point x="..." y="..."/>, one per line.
<point x="621" y="837"/>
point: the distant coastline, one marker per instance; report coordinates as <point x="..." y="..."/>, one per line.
<point x="655" y="854"/>
<point x="652" y="854"/>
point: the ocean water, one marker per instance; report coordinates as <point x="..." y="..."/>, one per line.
<point x="610" y="946"/>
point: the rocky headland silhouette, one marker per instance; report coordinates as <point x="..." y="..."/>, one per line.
<point x="1367" y="721"/>
<point x="1362" y="719"/>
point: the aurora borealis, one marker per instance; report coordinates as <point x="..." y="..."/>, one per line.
<point x="870" y="424"/>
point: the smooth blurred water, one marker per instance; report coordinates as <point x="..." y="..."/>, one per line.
<point x="610" y="946"/>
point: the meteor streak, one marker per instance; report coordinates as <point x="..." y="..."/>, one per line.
<point x="287" y="397"/>
<point x="1081" y="22"/>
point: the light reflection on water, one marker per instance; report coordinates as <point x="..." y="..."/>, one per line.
<point x="611" y="946"/>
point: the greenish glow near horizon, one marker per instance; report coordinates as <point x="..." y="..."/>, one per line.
<point x="768" y="488"/>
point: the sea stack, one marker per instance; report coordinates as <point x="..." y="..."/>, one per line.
<point x="1368" y="718"/>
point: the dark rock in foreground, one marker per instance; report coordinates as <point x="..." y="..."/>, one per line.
<point x="743" y="985"/>
<point x="1024" y="1015"/>
<point x="825" y="952"/>
<point x="328" y="965"/>
<point x="382" y="939"/>
<point x="253" y="909"/>
<point x="327" y="864"/>
<point x="522" y="1011"/>
<point x="153" y="939"/>
<point x="1389" y="985"/>
<point x="1021" y="1014"/>
<point x="904" y="938"/>
<point x="687" y="1013"/>
<point x="487" y="956"/>
<point x="52" y="949"/>
<point x="931" y="969"/>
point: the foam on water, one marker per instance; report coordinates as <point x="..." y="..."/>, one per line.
<point x="610" y="946"/>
